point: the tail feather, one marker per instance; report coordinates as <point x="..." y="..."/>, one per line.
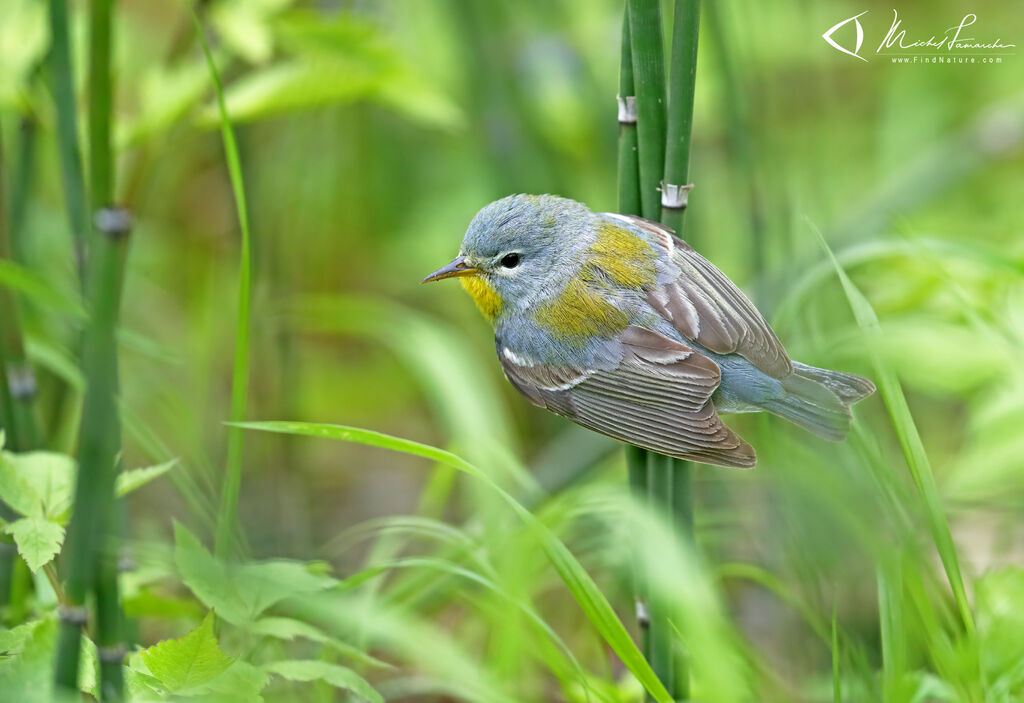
<point x="819" y="400"/>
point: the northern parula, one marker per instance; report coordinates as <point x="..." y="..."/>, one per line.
<point x="618" y="325"/>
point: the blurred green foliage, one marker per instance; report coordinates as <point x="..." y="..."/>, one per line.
<point x="370" y="133"/>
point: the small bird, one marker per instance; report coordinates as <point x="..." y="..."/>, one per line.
<point x="618" y="325"/>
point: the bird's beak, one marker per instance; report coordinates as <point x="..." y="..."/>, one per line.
<point x="458" y="267"/>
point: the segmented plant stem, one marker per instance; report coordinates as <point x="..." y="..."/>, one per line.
<point x="663" y="160"/>
<point x="92" y="544"/>
<point x="628" y="163"/>
<point x="682" y="77"/>
<point x="67" y="131"/>
<point x="649" y="84"/>
<point x="16" y="418"/>
<point x="629" y="204"/>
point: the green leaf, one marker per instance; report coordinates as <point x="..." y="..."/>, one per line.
<point x="189" y="662"/>
<point x="165" y="94"/>
<point x="590" y="598"/>
<point x="146" y="603"/>
<point x="38" y="539"/>
<point x="244" y="26"/>
<point x="298" y="84"/>
<point x="15" y="491"/>
<point x="50" y="356"/>
<point x="290" y="629"/>
<point x="26" y="662"/>
<point x="999" y="596"/>
<point x="240" y="592"/>
<point x="142" y="686"/>
<point x="227" y="515"/>
<point x="23" y="41"/>
<point x="128" y="481"/>
<point x="26" y="658"/>
<point x="242" y="682"/>
<point x="337" y="676"/>
<point x="910" y="439"/>
<point x="39" y="290"/>
<point x="52" y="476"/>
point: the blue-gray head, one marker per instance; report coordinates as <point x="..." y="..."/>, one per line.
<point x="518" y="250"/>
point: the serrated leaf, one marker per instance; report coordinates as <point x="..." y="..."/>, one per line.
<point x="15" y="491"/>
<point x="334" y="674"/>
<point x="128" y="481"/>
<point x="240" y="592"/>
<point x="142" y="686"/>
<point x="52" y="476"/>
<point x="38" y="540"/>
<point x="26" y="662"/>
<point x="189" y="662"/>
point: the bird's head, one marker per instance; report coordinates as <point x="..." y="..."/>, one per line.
<point x="519" y="250"/>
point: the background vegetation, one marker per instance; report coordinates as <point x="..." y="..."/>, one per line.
<point x="369" y="133"/>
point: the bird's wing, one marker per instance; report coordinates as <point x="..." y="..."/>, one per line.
<point x="658" y="398"/>
<point x="707" y="308"/>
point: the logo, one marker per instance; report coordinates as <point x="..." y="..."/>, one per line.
<point x="827" y="36"/>
<point x="953" y="46"/>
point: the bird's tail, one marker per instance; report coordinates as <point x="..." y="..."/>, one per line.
<point x="819" y="400"/>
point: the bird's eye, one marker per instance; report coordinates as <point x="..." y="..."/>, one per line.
<point x="510" y="261"/>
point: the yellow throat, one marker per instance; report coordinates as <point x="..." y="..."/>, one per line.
<point x="485" y="297"/>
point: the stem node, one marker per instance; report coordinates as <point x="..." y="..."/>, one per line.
<point x="674" y="197"/>
<point x="77" y="615"/>
<point x="115" y="222"/>
<point x="627" y="109"/>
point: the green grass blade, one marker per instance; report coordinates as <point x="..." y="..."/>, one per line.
<point x="593" y="602"/>
<point x="227" y="517"/>
<point x="837" y="686"/>
<point x="909" y="437"/>
<point x="893" y="634"/>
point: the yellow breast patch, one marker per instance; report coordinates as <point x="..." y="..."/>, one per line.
<point x="624" y="258"/>
<point x="485" y="297"/>
<point x="617" y="259"/>
<point x="579" y="313"/>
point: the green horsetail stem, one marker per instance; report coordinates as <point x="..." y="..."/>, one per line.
<point x="629" y="204"/>
<point x="67" y="132"/>
<point x="17" y="417"/>
<point x="649" y="83"/>
<point x="678" y="493"/>
<point x="628" y="166"/>
<point x="17" y="389"/>
<point x="663" y="148"/>
<point x="92" y="545"/>
<point x="682" y="79"/>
